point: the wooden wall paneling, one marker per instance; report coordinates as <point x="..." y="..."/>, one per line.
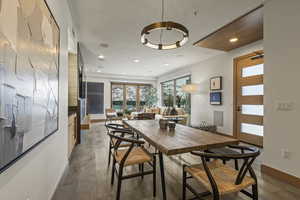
<point x="247" y="28"/>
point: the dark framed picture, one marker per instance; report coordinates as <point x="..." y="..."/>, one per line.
<point x="216" y="83"/>
<point x="29" y="78"/>
<point x="216" y="98"/>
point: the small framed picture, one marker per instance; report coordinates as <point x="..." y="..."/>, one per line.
<point x="216" y="83"/>
<point x="216" y="98"/>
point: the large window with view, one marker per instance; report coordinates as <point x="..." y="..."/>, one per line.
<point x="143" y="90"/>
<point x="174" y="96"/>
<point x="131" y="97"/>
<point x="128" y="96"/>
<point x="168" y="93"/>
<point x="117" y="97"/>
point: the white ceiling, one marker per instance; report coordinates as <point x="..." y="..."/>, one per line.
<point x="118" y="23"/>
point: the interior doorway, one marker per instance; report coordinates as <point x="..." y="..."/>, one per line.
<point x="248" y="98"/>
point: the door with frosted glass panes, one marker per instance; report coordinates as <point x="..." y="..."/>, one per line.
<point x="249" y="98"/>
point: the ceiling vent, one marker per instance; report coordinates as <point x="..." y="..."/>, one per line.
<point x="104" y="45"/>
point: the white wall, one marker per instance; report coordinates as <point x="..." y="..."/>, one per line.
<point x="282" y="70"/>
<point x="221" y="65"/>
<point x="37" y="174"/>
<point x="107" y="87"/>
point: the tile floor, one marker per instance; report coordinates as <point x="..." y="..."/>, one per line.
<point x="88" y="177"/>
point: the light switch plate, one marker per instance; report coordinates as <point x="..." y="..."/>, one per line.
<point x="285" y="106"/>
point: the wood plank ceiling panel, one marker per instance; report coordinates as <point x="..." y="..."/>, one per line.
<point x="247" y="28"/>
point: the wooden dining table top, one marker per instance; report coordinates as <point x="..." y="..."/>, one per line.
<point x="183" y="139"/>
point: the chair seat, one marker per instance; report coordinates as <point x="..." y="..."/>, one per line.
<point x="224" y="176"/>
<point x="137" y="156"/>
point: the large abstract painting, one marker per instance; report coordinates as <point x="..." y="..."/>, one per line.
<point x="29" y="66"/>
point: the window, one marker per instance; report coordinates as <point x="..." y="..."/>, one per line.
<point x="128" y="96"/>
<point x="255" y="70"/>
<point x="131" y="97"/>
<point x="168" y="93"/>
<point x="172" y="94"/>
<point x="182" y="98"/>
<point x="117" y="97"/>
<point x="143" y="92"/>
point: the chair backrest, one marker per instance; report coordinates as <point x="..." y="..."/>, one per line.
<point x="248" y="155"/>
<point x="116" y="127"/>
<point x="121" y="139"/>
<point x="110" y="110"/>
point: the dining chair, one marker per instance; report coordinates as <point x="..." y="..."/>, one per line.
<point x="136" y="154"/>
<point x="112" y="128"/>
<point x="221" y="150"/>
<point x="111" y="115"/>
<point x="225" y="150"/>
<point x="220" y="179"/>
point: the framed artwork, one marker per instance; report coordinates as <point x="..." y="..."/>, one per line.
<point x="216" y="83"/>
<point x="216" y="98"/>
<point x="29" y="77"/>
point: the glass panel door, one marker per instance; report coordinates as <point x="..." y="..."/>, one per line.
<point x="131" y="97"/>
<point x="168" y="93"/>
<point x="249" y="99"/>
<point x="143" y="91"/>
<point x="117" y="95"/>
<point x="182" y="99"/>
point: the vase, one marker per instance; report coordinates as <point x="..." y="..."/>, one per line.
<point x="163" y="123"/>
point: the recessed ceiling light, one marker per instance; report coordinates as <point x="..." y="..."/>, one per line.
<point x="99" y="70"/>
<point x="166" y="64"/>
<point x="136" y="60"/>
<point x="101" y="57"/>
<point x="232" y="40"/>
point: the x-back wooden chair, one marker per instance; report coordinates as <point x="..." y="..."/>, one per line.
<point x="121" y="130"/>
<point x="134" y="155"/>
<point x="220" y="179"/>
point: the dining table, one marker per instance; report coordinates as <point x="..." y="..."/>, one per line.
<point x="183" y="139"/>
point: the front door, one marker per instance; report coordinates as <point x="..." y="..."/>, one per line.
<point x="249" y="95"/>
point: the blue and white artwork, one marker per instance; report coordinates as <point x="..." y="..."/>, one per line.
<point x="216" y="98"/>
<point x="29" y="66"/>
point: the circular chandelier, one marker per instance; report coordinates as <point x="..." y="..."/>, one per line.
<point x="164" y="26"/>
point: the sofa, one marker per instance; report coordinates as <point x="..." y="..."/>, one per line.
<point x="162" y="112"/>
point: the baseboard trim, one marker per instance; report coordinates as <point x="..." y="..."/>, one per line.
<point x="97" y="120"/>
<point x="280" y="175"/>
<point x="84" y="126"/>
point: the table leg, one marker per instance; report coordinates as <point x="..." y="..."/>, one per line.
<point x="162" y="174"/>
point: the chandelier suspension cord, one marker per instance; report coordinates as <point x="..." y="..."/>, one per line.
<point x="162" y="18"/>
